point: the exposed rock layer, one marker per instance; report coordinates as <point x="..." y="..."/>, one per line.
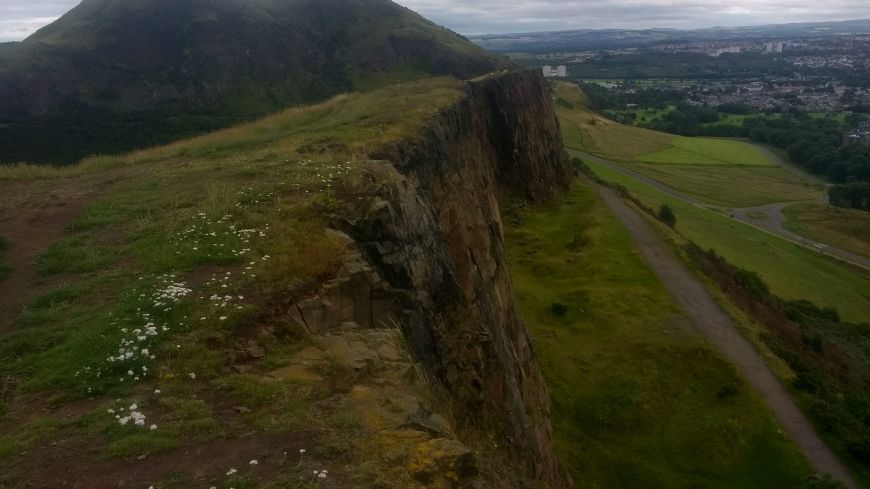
<point x="435" y="236"/>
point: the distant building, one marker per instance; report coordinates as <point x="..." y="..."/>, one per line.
<point x="560" y="71"/>
<point x="773" y="47"/>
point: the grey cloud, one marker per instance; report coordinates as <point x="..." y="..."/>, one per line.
<point x="19" y="18"/>
<point x="492" y="16"/>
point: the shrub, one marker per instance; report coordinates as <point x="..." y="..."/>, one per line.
<point x="667" y="216"/>
<point x="729" y="390"/>
<point x="860" y="449"/>
<point x="559" y="309"/>
<point x="752" y="283"/>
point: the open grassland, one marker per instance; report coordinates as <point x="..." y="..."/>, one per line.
<point x="707" y="151"/>
<point x="582" y="129"/>
<point x="734" y="186"/>
<point x="792" y="271"/>
<point x="848" y="229"/>
<point x="639" y="399"/>
<point x="133" y="280"/>
<point x="721" y="172"/>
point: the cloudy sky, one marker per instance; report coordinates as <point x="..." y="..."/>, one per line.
<point x="20" y="18"/>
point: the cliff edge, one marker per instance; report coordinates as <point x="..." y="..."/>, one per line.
<point x="435" y="235"/>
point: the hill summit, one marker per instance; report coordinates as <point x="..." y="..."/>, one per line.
<point x="112" y="75"/>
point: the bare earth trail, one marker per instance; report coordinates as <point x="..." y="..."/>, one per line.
<point x="709" y="317"/>
<point x="30" y="232"/>
<point x="768" y="218"/>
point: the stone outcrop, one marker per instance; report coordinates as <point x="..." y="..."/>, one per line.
<point x="423" y="220"/>
<point x="434" y="234"/>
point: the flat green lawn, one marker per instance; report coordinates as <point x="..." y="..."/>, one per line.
<point x="848" y="229"/>
<point x="639" y="400"/>
<point x="734" y="186"/>
<point x="792" y="271"/>
<point x="708" y="151"/>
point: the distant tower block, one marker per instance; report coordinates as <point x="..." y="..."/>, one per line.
<point x="560" y="71"/>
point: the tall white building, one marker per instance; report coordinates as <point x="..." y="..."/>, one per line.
<point x="773" y="47"/>
<point x="560" y="71"/>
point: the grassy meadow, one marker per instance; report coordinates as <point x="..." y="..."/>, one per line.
<point x="792" y="271"/>
<point x="734" y="186"/>
<point x="707" y="151"/>
<point x="721" y="172"/>
<point x="639" y="399"/>
<point x="848" y="229"/>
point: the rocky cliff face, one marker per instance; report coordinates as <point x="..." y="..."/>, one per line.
<point x="434" y="234"/>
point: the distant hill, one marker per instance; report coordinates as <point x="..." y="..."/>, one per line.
<point x="622" y="38"/>
<point x="112" y="75"/>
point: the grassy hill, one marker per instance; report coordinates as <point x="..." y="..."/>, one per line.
<point x="113" y="75"/>
<point x="150" y="279"/>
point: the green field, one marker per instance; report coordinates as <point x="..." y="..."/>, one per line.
<point x="733" y="186"/>
<point x="722" y="172"/>
<point x="707" y="151"/>
<point x="640" y="115"/>
<point x="637" y="397"/>
<point x="848" y="229"/>
<point x="792" y="271"/>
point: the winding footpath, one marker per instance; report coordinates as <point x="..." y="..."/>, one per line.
<point x="768" y="218"/>
<point x="709" y="317"/>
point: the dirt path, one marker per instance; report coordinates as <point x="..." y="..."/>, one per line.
<point x="29" y="231"/>
<point x="770" y="218"/>
<point x="709" y="317"/>
<point x="771" y="223"/>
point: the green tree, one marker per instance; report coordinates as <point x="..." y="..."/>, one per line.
<point x="667" y="216"/>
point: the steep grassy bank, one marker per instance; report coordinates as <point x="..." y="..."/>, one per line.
<point x="639" y="399"/>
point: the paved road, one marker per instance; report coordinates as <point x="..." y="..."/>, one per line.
<point x="709" y="317"/>
<point x="771" y="221"/>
